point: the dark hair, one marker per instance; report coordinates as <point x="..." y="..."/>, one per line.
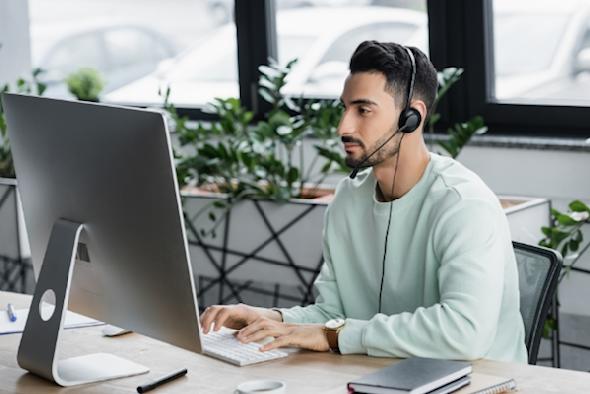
<point x="393" y="62"/>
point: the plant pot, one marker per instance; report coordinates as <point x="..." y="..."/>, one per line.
<point x="526" y="216"/>
<point x="16" y="271"/>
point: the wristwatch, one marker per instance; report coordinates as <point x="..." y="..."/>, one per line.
<point x="332" y="328"/>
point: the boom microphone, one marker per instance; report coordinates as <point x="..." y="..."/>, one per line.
<point x="357" y="168"/>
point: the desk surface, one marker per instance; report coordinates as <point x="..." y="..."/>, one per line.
<point x="304" y="372"/>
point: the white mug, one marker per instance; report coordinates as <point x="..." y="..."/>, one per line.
<point x="261" y="386"/>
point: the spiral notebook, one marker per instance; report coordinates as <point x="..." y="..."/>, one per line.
<point x="488" y="384"/>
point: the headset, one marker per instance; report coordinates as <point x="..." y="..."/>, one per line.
<point x="410" y="118"/>
<point x="408" y="122"/>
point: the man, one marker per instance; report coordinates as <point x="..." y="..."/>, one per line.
<point x="418" y="256"/>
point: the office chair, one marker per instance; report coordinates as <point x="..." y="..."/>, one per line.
<point x="538" y="271"/>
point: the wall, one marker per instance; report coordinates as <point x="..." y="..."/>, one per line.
<point x="15" y="48"/>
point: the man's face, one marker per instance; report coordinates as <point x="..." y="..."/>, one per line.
<point x="370" y="117"/>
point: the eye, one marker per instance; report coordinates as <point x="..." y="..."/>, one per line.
<point x="364" y="111"/>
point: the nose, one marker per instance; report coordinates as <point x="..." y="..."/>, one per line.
<point x="347" y="123"/>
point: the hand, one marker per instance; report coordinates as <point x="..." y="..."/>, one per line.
<point x="234" y="316"/>
<point x="305" y="336"/>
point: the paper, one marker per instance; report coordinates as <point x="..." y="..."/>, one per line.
<point x="73" y="320"/>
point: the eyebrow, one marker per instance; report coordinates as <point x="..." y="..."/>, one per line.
<point x="361" y="102"/>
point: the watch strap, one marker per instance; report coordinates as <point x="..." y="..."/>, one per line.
<point x="280" y="313"/>
<point x="332" y="337"/>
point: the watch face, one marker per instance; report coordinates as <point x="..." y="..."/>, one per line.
<point x="334" y="324"/>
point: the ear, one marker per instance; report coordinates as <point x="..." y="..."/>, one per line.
<point x="419" y="106"/>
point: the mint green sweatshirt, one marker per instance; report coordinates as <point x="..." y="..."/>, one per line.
<point x="451" y="282"/>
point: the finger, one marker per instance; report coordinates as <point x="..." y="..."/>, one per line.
<point x="259" y="324"/>
<point x="208" y="318"/>
<point x="252" y="328"/>
<point x="203" y="319"/>
<point x="282" y="341"/>
<point x="221" y="318"/>
<point x="261" y="334"/>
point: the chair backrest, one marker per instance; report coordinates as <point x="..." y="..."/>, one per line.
<point x="538" y="272"/>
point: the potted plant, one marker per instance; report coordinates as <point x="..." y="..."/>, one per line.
<point x="565" y="234"/>
<point x="15" y="266"/>
<point x="85" y="84"/>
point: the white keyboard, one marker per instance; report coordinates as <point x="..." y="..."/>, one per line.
<point x="223" y="345"/>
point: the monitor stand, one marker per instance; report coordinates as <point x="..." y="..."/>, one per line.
<point x="39" y="346"/>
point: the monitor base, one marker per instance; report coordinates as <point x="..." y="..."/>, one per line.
<point x="38" y="351"/>
<point x="95" y="368"/>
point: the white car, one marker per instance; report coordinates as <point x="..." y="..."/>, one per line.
<point x="120" y="53"/>
<point x="542" y="49"/>
<point x="321" y="38"/>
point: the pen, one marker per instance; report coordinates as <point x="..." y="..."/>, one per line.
<point x="164" y="379"/>
<point x="10" y="311"/>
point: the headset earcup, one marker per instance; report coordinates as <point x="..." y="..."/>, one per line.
<point x="409" y="120"/>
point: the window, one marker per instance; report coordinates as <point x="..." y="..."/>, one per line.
<point x="527" y="64"/>
<point x="138" y="47"/>
<point x="548" y="62"/>
<point x="325" y="50"/>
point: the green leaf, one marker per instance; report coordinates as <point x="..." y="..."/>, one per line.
<point x="557" y="236"/>
<point x="564" y="249"/>
<point x="292" y="175"/>
<point x="434" y="118"/>
<point x="41" y="88"/>
<point x="579" y="206"/>
<point x="270" y="72"/>
<point x="279" y="118"/>
<point x="219" y="204"/>
<point x="565" y="220"/>
<point x="574" y="245"/>
<point x="549" y="326"/>
<point x="546" y="243"/>
<point x="461" y="133"/>
<point x="578" y="236"/>
<point x="266" y="96"/>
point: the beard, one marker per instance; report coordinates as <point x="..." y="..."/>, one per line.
<point x="387" y="151"/>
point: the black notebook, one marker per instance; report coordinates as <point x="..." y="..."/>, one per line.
<point x="414" y="375"/>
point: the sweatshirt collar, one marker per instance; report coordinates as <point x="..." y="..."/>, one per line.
<point x="404" y="202"/>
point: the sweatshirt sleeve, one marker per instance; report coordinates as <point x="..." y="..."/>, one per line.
<point x="328" y="304"/>
<point x="470" y="241"/>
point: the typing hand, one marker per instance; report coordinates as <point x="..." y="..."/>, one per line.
<point x="305" y="336"/>
<point x="233" y="316"/>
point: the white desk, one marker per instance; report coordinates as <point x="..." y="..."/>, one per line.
<point x="304" y="372"/>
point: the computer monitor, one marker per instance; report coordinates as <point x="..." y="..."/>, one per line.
<point x="100" y="196"/>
